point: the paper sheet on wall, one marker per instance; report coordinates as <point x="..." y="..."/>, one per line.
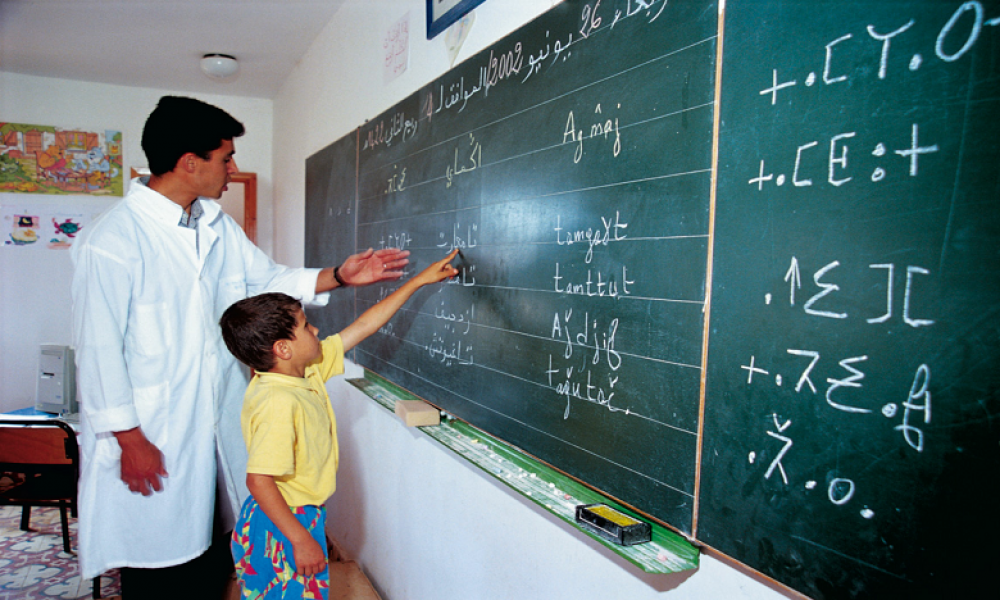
<point x="42" y="226"/>
<point x="455" y="36"/>
<point x="396" y="45"/>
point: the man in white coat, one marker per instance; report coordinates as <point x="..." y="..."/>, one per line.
<point x="163" y="459"/>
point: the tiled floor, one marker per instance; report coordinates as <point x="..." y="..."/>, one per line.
<point x="33" y="565"/>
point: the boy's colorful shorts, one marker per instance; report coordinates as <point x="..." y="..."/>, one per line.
<point x="265" y="563"/>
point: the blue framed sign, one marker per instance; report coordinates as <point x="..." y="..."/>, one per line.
<point x="442" y="13"/>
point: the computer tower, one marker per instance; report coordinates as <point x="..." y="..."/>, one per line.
<point x="55" y="391"/>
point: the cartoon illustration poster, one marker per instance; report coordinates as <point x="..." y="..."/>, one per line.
<point x="40" y="159"/>
<point x="41" y="226"/>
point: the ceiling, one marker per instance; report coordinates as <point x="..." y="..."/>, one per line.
<point x="158" y="43"/>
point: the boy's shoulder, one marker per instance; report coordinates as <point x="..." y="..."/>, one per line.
<point x="331" y="361"/>
<point x="269" y="393"/>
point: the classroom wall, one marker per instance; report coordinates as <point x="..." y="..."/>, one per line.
<point x="421" y="521"/>
<point x="35" y="301"/>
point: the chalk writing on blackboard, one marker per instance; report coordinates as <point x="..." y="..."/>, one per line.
<point x="564" y="169"/>
<point x="836" y="161"/>
<point x="955" y="39"/>
<point x="471" y="159"/>
<point x="385" y="132"/>
<point x="845" y="372"/>
<point x="794" y="278"/>
<point x="916" y="408"/>
<point x="598" y="129"/>
<point x="396" y="182"/>
<point x="949" y="46"/>
<point x="399" y="240"/>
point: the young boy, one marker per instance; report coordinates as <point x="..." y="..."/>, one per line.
<point x="288" y="424"/>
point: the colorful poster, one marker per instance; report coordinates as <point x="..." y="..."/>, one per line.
<point x="41" y="159"/>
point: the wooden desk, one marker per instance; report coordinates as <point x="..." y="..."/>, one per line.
<point x="39" y="459"/>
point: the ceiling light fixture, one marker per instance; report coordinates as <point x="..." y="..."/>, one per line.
<point x="219" y="66"/>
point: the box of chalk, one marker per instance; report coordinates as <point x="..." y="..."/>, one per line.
<point x="613" y="525"/>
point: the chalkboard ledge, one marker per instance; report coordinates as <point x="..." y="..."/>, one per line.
<point x="668" y="552"/>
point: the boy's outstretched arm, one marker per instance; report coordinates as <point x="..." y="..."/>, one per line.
<point x="378" y="315"/>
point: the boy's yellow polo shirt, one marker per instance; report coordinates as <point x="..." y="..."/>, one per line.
<point x="290" y="430"/>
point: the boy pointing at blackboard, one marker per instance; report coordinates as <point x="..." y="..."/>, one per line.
<point x="290" y="433"/>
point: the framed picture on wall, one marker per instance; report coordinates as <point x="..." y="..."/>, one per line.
<point x="442" y="13"/>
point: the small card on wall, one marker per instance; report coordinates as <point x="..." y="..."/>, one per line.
<point x="396" y="48"/>
<point x="42" y="225"/>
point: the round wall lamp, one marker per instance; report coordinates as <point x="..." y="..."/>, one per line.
<point x="219" y="66"/>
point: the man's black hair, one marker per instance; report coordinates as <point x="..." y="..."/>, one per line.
<point x="179" y="125"/>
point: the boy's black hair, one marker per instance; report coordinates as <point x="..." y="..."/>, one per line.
<point x="179" y="125"/>
<point x="251" y="326"/>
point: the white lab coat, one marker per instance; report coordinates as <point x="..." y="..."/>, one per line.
<point x="149" y="353"/>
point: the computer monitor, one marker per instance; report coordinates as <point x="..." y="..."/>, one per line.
<point x="55" y="390"/>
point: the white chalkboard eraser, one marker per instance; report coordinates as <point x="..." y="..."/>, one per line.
<point x="417" y="413"/>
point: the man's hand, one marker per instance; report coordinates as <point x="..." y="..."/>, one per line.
<point x="141" y="462"/>
<point x="373" y="266"/>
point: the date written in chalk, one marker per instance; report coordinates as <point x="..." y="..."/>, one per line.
<point x="613" y="525"/>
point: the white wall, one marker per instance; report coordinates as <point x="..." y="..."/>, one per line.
<point x="423" y="522"/>
<point x="34" y="285"/>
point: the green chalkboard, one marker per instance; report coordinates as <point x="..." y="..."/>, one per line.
<point x="331" y="189"/>
<point x="570" y="174"/>
<point x="740" y="274"/>
<point x="567" y="172"/>
<point x="851" y="435"/>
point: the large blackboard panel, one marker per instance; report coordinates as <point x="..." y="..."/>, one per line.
<point x="507" y="176"/>
<point x="857" y="162"/>
<point x="872" y="471"/>
<point x="331" y="187"/>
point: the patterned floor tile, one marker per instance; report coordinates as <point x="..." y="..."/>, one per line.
<point x="33" y="565"/>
